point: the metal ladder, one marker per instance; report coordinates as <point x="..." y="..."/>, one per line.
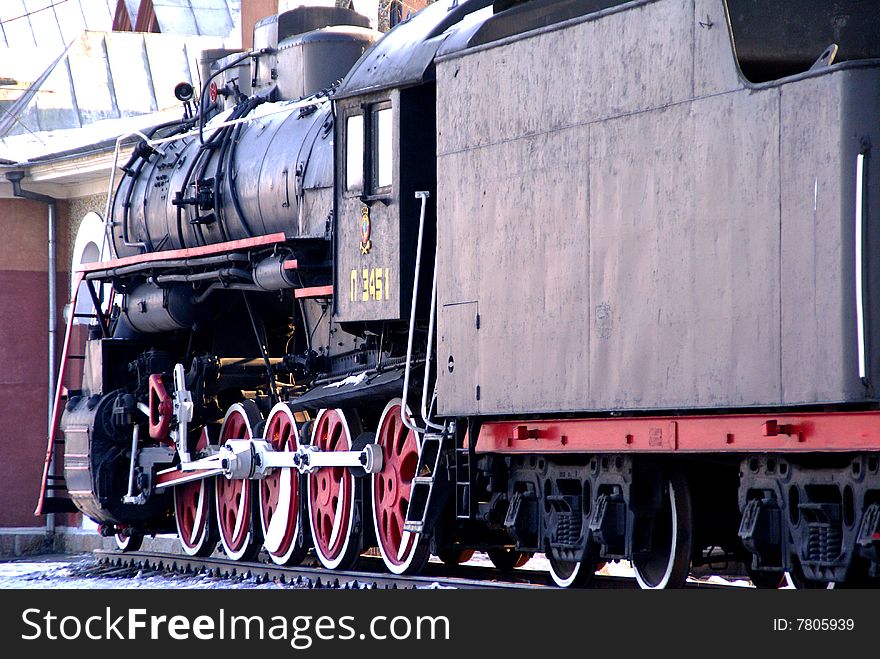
<point x="417" y="515"/>
<point x="434" y="436"/>
<point x="54" y="496"/>
<point x="463" y="483"/>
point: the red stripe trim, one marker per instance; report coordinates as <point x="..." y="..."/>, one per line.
<point x="315" y="291"/>
<point x="188" y="253"/>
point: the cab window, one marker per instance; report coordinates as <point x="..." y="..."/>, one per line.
<point x="354" y="153"/>
<point x="383" y="148"/>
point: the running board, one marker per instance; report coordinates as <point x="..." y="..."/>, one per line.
<point x="423" y="484"/>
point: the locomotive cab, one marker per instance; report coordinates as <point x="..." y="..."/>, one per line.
<point x="386" y="143"/>
<point x="385" y="150"/>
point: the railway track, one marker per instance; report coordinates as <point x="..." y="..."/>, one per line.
<point x="369" y="573"/>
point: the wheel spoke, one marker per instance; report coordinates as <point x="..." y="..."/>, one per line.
<point x="402" y="434"/>
<point x="338" y="514"/>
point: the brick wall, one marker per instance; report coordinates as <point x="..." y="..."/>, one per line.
<point x="23" y="350"/>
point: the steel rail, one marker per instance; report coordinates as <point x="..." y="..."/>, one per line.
<point x="306" y="575"/>
<point x="370" y="573"/>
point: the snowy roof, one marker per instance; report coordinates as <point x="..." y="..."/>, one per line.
<point x="61" y="67"/>
<point x="33" y="148"/>
<point x="106" y="76"/>
<point x="51" y="24"/>
<point x="205" y="17"/>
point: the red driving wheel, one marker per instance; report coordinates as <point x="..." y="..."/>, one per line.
<point x="402" y="551"/>
<point x="239" y="532"/>
<point x="332" y="493"/>
<point x="279" y="493"/>
<point x="192" y="512"/>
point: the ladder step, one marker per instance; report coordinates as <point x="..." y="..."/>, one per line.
<point x="58" y="505"/>
<point x="423" y="483"/>
<point x="462" y="498"/>
<point x="463" y="480"/>
<point x="419" y="497"/>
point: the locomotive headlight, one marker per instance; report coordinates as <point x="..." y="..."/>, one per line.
<point x="183" y="92"/>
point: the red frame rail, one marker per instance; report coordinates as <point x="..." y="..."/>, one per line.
<point x="723" y="433"/>
<point x="187" y="253"/>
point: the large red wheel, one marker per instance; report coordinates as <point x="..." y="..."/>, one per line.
<point x="193" y="504"/>
<point x="332" y="493"/>
<point x="402" y="551"/>
<point x="240" y="532"/>
<point x="279" y="493"/>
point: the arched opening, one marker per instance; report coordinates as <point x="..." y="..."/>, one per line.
<point x="87" y="248"/>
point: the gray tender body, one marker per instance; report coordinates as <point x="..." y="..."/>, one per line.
<point x="625" y="223"/>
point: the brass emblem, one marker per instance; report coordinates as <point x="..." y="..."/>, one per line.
<point x="366" y="230"/>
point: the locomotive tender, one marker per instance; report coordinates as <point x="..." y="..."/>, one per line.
<point x="580" y="277"/>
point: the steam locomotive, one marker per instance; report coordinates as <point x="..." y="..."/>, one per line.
<point x="583" y="278"/>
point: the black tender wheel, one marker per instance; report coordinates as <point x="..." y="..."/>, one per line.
<point x="453" y="556"/>
<point x="506" y="559"/>
<point x="767" y="580"/>
<point x="127" y="543"/>
<point x="802" y="583"/>
<point x="666" y="563"/>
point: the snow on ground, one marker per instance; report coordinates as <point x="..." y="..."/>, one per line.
<point x="84" y="572"/>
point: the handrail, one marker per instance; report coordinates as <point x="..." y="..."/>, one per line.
<point x="423" y="195"/>
<point x="859" y="266"/>
<point x="108" y="220"/>
<point x="427" y="375"/>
